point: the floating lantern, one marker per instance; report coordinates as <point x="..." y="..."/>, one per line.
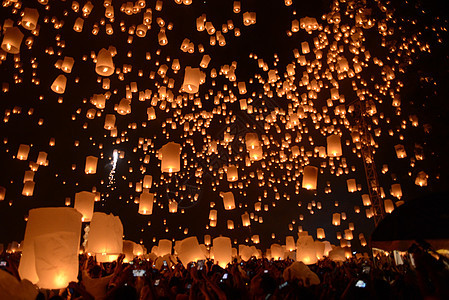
<point x="105" y="64"/>
<point x="230" y="224"/>
<point x="306" y="251"/>
<point x="23" y="151"/>
<point x="192" y="78"/>
<point x="146" y="203"/>
<point x="421" y="179"/>
<point x="352" y="185"/>
<point x="12" y="38"/>
<point x="232" y="173"/>
<point x="109" y="122"/>
<point x="164" y="247"/>
<point x="190" y="251"/>
<point x="169" y="155"/>
<point x="309" y="179"/>
<point x="389" y="206"/>
<point x="400" y="151"/>
<point x="58" y="86"/>
<point x="222" y="251"/>
<point x="84" y="203"/>
<point x="28" y="188"/>
<point x="147" y="181"/>
<point x="228" y="200"/>
<point x="334" y="145"/>
<point x="320" y="233"/>
<point x="336" y="219"/>
<point x="245" y="220"/>
<point x="290" y="244"/>
<point x="396" y="190"/>
<point x="91" y="165"/>
<point x="30" y="17"/>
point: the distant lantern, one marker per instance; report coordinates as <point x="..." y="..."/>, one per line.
<point x="30" y="17"/>
<point x="58" y="86"/>
<point x="348" y="234"/>
<point x="12" y="38"/>
<point x="109" y="122"/>
<point x="23" y="151"/>
<point x="400" y="151"/>
<point x="91" y="165"/>
<point x="245" y="219"/>
<point x="146" y="203"/>
<point x="2" y="193"/>
<point x="84" y="203"/>
<point x="162" y="38"/>
<point x="105" y="64"/>
<point x="366" y="200"/>
<point x="421" y="179"/>
<point x="79" y="24"/>
<point x="252" y="140"/>
<point x="42" y="158"/>
<point x="51" y="247"/>
<point x="192" y="78"/>
<point x="352" y="185"/>
<point x="207" y="240"/>
<point x="320" y="233"/>
<point x="309" y="179"/>
<point x="105" y="236"/>
<point x="173" y="207"/>
<point x="67" y="64"/>
<point x="336" y="219"/>
<point x="213" y="215"/>
<point x="147" y="181"/>
<point x="305" y="48"/>
<point x="396" y="190"/>
<point x="389" y="206"/>
<point x="230" y="224"/>
<point x="228" y="200"/>
<point x="334" y="145"/>
<point x="28" y="188"/>
<point x="170" y="158"/>
<point x="290" y="244"/>
<point x="232" y="173"/>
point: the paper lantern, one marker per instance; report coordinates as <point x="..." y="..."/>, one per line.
<point x="396" y="190"/>
<point x="91" y="165"/>
<point x="252" y="141"/>
<point x="256" y="153"/>
<point x="245" y="220"/>
<point x="366" y="200"/>
<point x="28" y="188"/>
<point x="58" y="86"/>
<point x="105" y="64"/>
<point x="207" y="240"/>
<point x="79" y="24"/>
<point x="256" y="239"/>
<point x="12" y="38"/>
<point x="162" y="38"/>
<point x="245" y="252"/>
<point x="190" y="251"/>
<point x="192" y="78"/>
<point x="109" y="122"/>
<point x="320" y="233"/>
<point x="348" y="234"/>
<point x="232" y="173"/>
<point x="222" y="251"/>
<point x="128" y="250"/>
<point x="305" y="250"/>
<point x="30" y="17"/>
<point x="309" y="179"/>
<point x="51" y="247"/>
<point x="213" y="215"/>
<point x="146" y="203"/>
<point x="277" y="252"/>
<point x="173" y="207"/>
<point x="334" y="145"/>
<point x="421" y="179"/>
<point x="290" y="243"/>
<point x="336" y="219"/>
<point x="400" y="151"/>
<point x="389" y="206"/>
<point x="352" y="185"/>
<point x="2" y="193"/>
<point x="228" y="200"/>
<point x="147" y="181"/>
<point x="169" y="155"/>
<point x="84" y="203"/>
<point x="105" y="236"/>
<point x="23" y="151"/>
<point x="230" y="224"/>
<point x="164" y="247"/>
<point x="67" y="64"/>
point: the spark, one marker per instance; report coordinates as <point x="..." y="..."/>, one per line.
<point x="114" y="165"/>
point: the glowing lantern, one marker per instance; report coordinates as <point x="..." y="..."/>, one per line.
<point x="336" y="219"/>
<point x="277" y="252"/>
<point x="190" y="251"/>
<point x="173" y="207"/>
<point x="252" y="140"/>
<point x="84" y="203"/>
<point x="141" y="30"/>
<point x="23" y="151"/>
<point x="320" y="233"/>
<point x="348" y="234"/>
<point x="162" y="38"/>
<point x="30" y="17"/>
<point x="290" y="243"/>
<point x="146" y="203"/>
<point x="58" y="86"/>
<point x="230" y="224"/>
<point x="191" y="82"/>
<point x="79" y="24"/>
<point x="400" y="151"/>
<point x="305" y="250"/>
<point x="396" y="190"/>
<point x="245" y="219"/>
<point x="222" y="251"/>
<point x="105" y="64"/>
<point x="169" y="155"/>
<point x="421" y="179"/>
<point x="366" y="200"/>
<point x="205" y="61"/>
<point x="334" y="145"/>
<point x="109" y="122"/>
<point x="51" y="247"/>
<point x="213" y="215"/>
<point x="389" y="206"/>
<point x="309" y="179"/>
<point x="352" y="185"/>
<point x="207" y="240"/>
<point x="91" y="165"/>
<point x="105" y="236"/>
<point x="164" y="247"/>
<point x="147" y="181"/>
<point x="28" y="188"/>
<point x="305" y="48"/>
<point x="236" y="7"/>
<point x="2" y="193"/>
<point x="42" y="158"/>
<point x="232" y="173"/>
<point x="228" y="200"/>
<point x="12" y="38"/>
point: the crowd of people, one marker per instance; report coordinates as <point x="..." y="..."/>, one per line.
<point x="357" y="278"/>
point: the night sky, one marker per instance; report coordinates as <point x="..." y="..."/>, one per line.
<point x="408" y="60"/>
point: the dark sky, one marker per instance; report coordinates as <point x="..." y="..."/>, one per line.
<point x="414" y="45"/>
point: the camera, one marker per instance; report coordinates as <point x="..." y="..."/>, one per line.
<point x="360" y="284"/>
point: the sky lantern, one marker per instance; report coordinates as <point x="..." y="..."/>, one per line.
<point x="320" y="233"/>
<point x="105" y="236"/>
<point x="147" y="181"/>
<point x="389" y="206"/>
<point x="105" y="64"/>
<point x="170" y="158"/>
<point x="42" y="158"/>
<point x="310" y="176"/>
<point x="352" y="185"/>
<point x="305" y="250"/>
<point x="191" y="82"/>
<point x="228" y="200"/>
<point x="164" y="247"/>
<point x="29" y="18"/>
<point x="78" y="25"/>
<point x="232" y="174"/>
<point x="400" y="151"/>
<point x="84" y="203"/>
<point x="336" y="219"/>
<point x="173" y="207"/>
<point x="109" y="122"/>
<point x="146" y="203"/>
<point x="59" y="84"/>
<point x="396" y="190"/>
<point x="222" y="251"/>
<point x="91" y="165"/>
<point x="290" y="244"/>
<point x="421" y="178"/>
<point x="230" y="224"/>
<point x="23" y="151"/>
<point x="51" y="247"/>
<point x="12" y="38"/>
<point x="334" y="145"/>
<point x="2" y="193"/>
<point x="28" y="188"/>
<point x="245" y="220"/>
<point x="189" y="251"/>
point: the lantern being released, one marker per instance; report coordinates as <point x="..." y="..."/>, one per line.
<point x="84" y="203"/>
<point x="170" y="158"/>
<point x="309" y="180"/>
<point x="105" y="64"/>
<point x="105" y="236"/>
<point x="51" y="247"/>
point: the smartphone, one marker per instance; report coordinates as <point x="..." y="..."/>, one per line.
<point x="165" y="263"/>
<point x="360" y="284"/>
<point x="189" y="286"/>
<point x="138" y="273"/>
<point x="200" y="264"/>
<point x="241" y="263"/>
<point x="131" y="263"/>
<point x="3" y="263"/>
<point x="265" y="271"/>
<point x="225" y="276"/>
<point x="156" y="282"/>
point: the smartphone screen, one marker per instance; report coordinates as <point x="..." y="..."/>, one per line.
<point x="138" y="273"/>
<point x="165" y="263"/>
<point x="360" y="284"/>
<point x="156" y="282"/>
